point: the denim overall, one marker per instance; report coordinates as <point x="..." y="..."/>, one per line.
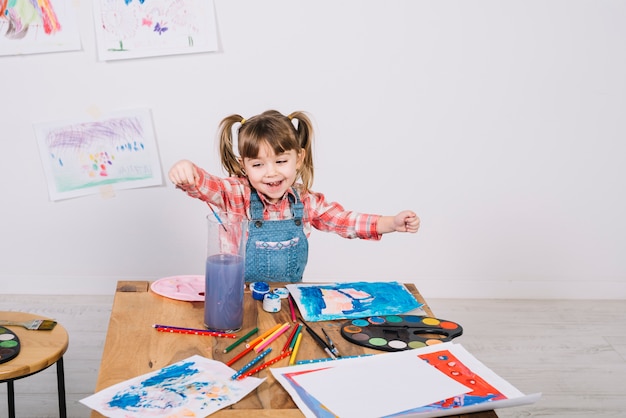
<point x="276" y="251"/>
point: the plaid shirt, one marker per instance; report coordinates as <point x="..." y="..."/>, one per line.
<point x="232" y="194"/>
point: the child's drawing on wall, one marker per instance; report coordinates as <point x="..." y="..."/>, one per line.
<point x="29" y="26"/>
<point x="81" y="157"/>
<point x="142" y="28"/>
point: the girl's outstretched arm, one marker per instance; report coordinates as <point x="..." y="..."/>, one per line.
<point x="405" y="221"/>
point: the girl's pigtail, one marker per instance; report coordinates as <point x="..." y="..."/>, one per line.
<point x="305" y="139"/>
<point x="228" y="155"/>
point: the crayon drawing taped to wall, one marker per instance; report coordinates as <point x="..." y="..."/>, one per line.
<point x="29" y="27"/>
<point x="80" y="158"/>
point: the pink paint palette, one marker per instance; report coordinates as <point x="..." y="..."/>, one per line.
<point x="399" y="332"/>
<point x="188" y="288"/>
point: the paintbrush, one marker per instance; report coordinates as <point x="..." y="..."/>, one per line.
<point x="35" y="324"/>
<point x="219" y="220"/>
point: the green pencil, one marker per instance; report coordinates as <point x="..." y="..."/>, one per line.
<point x="239" y="341"/>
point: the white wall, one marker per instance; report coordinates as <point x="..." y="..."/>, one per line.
<point x="501" y="123"/>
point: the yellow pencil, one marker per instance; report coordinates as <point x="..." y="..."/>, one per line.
<point x="262" y="336"/>
<point x="292" y="358"/>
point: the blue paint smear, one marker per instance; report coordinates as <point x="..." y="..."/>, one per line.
<point x="175" y="371"/>
<point x="165" y="390"/>
<point x="385" y="298"/>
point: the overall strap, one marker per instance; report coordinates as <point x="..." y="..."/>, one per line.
<point x="256" y="206"/>
<point x="297" y="207"/>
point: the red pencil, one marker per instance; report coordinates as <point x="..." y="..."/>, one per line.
<point x="286" y="346"/>
<point x="196" y="332"/>
<point x="238" y="356"/>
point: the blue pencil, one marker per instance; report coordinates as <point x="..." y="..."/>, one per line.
<point x="252" y="363"/>
<point x="319" y="360"/>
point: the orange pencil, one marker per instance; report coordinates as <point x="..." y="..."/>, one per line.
<point x="263" y="336"/>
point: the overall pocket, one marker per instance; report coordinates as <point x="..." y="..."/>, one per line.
<point x="278" y="260"/>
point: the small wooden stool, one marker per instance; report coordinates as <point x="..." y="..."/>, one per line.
<point x="39" y="350"/>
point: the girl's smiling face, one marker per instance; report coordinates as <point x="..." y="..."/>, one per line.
<point x="273" y="174"/>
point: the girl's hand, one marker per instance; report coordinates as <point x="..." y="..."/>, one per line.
<point x="406" y="221"/>
<point x="183" y="174"/>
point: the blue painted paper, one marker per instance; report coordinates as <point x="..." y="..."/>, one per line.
<point x="195" y="387"/>
<point x="330" y="301"/>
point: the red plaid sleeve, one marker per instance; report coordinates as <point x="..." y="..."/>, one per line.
<point x="332" y="217"/>
<point x="226" y="194"/>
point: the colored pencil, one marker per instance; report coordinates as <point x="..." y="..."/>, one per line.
<point x="252" y="363"/>
<point x="239" y="341"/>
<point x="250" y="346"/>
<point x="272" y="337"/>
<point x="290" y="339"/>
<point x="197" y="332"/>
<point x="292" y="309"/>
<point x="186" y="329"/>
<point x="238" y="356"/>
<point x="294" y="353"/>
<point x="324" y="359"/>
<point x="260" y="338"/>
<point x="266" y="364"/>
<point x="293" y="341"/>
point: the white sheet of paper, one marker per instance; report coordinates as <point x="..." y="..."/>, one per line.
<point x="379" y="385"/>
<point x="516" y="398"/>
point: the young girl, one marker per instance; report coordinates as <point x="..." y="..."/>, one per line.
<point x="270" y="175"/>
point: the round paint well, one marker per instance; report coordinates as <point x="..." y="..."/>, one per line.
<point x="360" y="337"/>
<point x="416" y="344"/>
<point x="377" y="320"/>
<point x="5" y="337"/>
<point x="352" y="329"/>
<point x="433" y="342"/>
<point x="397" y="344"/>
<point x="431" y="321"/>
<point x="8" y="343"/>
<point x="448" y="325"/>
<point x="360" y="322"/>
<point x="393" y="318"/>
<point x="412" y="318"/>
<point x="377" y="341"/>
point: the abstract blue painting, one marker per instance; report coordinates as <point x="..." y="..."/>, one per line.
<point x="330" y="301"/>
<point x="194" y="387"/>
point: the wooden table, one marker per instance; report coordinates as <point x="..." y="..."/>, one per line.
<point x="38" y="351"/>
<point x="133" y="347"/>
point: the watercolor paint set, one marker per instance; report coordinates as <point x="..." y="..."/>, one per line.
<point x="399" y="332"/>
<point x="9" y="345"/>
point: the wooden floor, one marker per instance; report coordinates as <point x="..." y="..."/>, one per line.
<point x="574" y="352"/>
